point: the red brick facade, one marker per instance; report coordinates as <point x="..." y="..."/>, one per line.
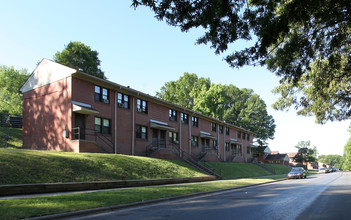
<point x="116" y="119"/>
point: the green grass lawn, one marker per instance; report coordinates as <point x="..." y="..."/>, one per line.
<point x="39" y="206"/>
<point x="15" y="135"/>
<point x="239" y="170"/>
<point x="277" y="168"/>
<point x="31" y="166"/>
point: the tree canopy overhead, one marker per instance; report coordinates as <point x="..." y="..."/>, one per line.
<point x="241" y="107"/>
<point x="304" y="42"/>
<point x="81" y="57"/>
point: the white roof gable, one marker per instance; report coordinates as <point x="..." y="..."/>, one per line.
<point x="46" y="72"/>
<point x="267" y="150"/>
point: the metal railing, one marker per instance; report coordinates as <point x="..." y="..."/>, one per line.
<point x="91" y="135"/>
<point x="8" y="120"/>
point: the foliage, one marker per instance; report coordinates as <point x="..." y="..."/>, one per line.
<point x="14" y="134"/>
<point x="347" y="154"/>
<point x="48" y="205"/>
<point x="11" y="81"/>
<point x="81" y="57"/>
<point x="32" y="166"/>
<point x="304" y="42"/>
<point x="241" y="107"/>
<point x="333" y="160"/>
<point x="304" y="153"/>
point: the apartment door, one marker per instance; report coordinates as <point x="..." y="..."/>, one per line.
<point x="158" y="138"/>
<point x="79" y="122"/>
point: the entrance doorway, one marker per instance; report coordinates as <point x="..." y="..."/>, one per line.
<point x="79" y="121"/>
<point x="158" y="138"/>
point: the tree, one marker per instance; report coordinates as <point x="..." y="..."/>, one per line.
<point x="295" y="39"/>
<point x="81" y="57"/>
<point x="241" y="107"/>
<point x="11" y="81"/>
<point x="305" y="154"/>
<point x="333" y="160"/>
<point x="347" y="155"/>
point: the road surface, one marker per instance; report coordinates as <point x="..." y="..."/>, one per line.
<point x="323" y="196"/>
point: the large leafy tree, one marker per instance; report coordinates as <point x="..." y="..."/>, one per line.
<point x="347" y="155"/>
<point x="81" y="57"/>
<point x="333" y="160"/>
<point x="241" y="107"/>
<point x="305" y="154"/>
<point x="304" y="42"/>
<point x="11" y="81"/>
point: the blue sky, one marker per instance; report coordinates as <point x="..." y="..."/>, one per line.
<point x="139" y="51"/>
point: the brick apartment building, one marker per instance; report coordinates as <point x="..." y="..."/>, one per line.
<point x="65" y="109"/>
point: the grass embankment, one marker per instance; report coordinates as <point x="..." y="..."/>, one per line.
<point x="239" y="170"/>
<point x="39" y="206"/>
<point x="32" y="166"/>
<point x="15" y="135"/>
<point x="278" y="169"/>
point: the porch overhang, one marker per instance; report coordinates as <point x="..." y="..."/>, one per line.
<point x="160" y="125"/>
<point x="83" y="108"/>
<point x="235" y="141"/>
<point x="252" y="145"/>
<point x="207" y="135"/>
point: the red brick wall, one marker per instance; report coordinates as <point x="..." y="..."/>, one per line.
<point x="45" y="113"/>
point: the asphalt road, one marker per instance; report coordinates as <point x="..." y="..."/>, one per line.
<point x="323" y="196"/>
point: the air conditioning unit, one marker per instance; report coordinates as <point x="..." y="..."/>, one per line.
<point x="106" y="101"/>
<point x="120" y="105"/>
<point x="139" y="110"/>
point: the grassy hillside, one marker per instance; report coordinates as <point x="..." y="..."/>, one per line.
<point x="31" y="166"/>
<point x="239" y="170"/>
<point x="277" y="168"/>
<point x="15" y="135"/>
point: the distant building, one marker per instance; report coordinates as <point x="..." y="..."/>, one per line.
<point x="281" y="159"/>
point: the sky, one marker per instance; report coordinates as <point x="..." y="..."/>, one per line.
<point x="139" y="51"/>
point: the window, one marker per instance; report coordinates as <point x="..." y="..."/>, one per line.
<point x="195" y="121"/>
<point x="244" y="136"/>
<point x="184" y="118"/>
<point x="123" y="100"/>
<point x="226" y="130"/>
<point x="173" y="136"/>
<point x="239" y="134"/>
<point x="97" y="125"/>
<point x="195" y="141"/>
<point x="226" y="146"/>
<point x="141" y="106"/>
<point x="102" y="125"/>
<point x="220" y="128"/>
<point x="248" y="150"/>
<point x="101" y="94"/>
<point x="248" y="137"/>
<point x="141" y="132"/>
<point x="214" y="126"/>
<point x="172" y="115"/>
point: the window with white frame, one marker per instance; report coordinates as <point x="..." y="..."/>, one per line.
<point x="141" y="106"/>
<point x="123" y="100"/>
<point x="102" y="94"/>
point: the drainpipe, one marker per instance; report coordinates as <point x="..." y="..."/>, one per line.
<point x="115" y="100"/>
<point x="224" y="150"/>
<point x="180" y="137"/>
<point x="218" y="144"/>
<point x="133" y="125"/>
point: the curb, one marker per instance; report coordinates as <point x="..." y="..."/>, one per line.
<point x="142" y="203"/>
<point x="20" y="189"/>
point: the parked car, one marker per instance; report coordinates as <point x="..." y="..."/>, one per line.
<point x="323" y="170"/>
<point x="297" y="173"/>
<point x="330" y="169"/>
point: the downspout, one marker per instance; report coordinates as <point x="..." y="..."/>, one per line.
<point x="190" y="140"/>
<point x="218" y="144"/>
<point x="115" y="100"/>
<point x="224" y="150"/>
<point x="180" y="137"/>
<point x="133" y="125"/>
<point x="66" y="126"/>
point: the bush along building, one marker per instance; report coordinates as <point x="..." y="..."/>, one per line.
<point x="65" y="109"/>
